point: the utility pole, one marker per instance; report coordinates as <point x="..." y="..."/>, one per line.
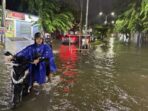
<point x="87" y="7"/>
<point x="81" y="16"/>
<point x="80" y="27"/>
<point x="3" y="20"/>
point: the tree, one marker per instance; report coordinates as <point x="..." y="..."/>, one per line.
<point x="53" y="16"/>
<point x="144" y="13"/>
<point x="134" y="18"/>
<point x="121" y="26"/>
<point x="101" y="31"/>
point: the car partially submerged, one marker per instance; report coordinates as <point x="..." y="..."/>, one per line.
<point x="71" y="37"/>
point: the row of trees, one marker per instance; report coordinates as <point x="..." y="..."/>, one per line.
<point x="54" y="14"/>
<point x="134" y="18"/>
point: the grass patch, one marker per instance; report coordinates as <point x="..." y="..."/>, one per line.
<point x="98" y="42"/>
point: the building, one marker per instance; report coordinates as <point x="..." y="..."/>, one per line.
<point x="21" y="24"/>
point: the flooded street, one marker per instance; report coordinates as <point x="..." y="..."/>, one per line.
<point x="105" y="79"/>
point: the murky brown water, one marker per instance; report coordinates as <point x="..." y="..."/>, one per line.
<point x="112" y="79"/>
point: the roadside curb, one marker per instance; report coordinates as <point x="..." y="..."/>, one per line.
<point x="1" y="46"/>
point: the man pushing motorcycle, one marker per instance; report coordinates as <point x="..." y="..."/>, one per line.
<point x="42" y="60"/>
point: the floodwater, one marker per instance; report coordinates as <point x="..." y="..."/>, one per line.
<point x="112" y="78"/>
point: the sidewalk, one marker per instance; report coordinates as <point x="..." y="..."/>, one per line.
<point x="15" y="45"/>
<point x="1" y="46"/>
<point x="18" y="44"/>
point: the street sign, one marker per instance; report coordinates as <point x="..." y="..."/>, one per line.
<point x="15" y="15"/>
<point x="2" y="30"/>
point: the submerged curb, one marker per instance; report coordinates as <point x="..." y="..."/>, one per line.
<point x="1" y="46"/>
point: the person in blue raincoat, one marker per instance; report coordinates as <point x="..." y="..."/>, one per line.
<point x="39" y="69"/>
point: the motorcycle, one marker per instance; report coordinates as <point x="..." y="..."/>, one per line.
<point x="48" y="41"/>
<point x="19" y="74"/>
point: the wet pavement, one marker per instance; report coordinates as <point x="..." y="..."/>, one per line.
<point x="112" y="78"/>
<point x="15" y="45"/>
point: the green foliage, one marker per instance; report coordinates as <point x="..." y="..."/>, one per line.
<point x="98" y="42"/>
<point x="135" y="18"/>
<point x="52" y="14"/>
<point x="100" y="30"/>
<point x="121" y="25"/>
<point x="62" y="21"/>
